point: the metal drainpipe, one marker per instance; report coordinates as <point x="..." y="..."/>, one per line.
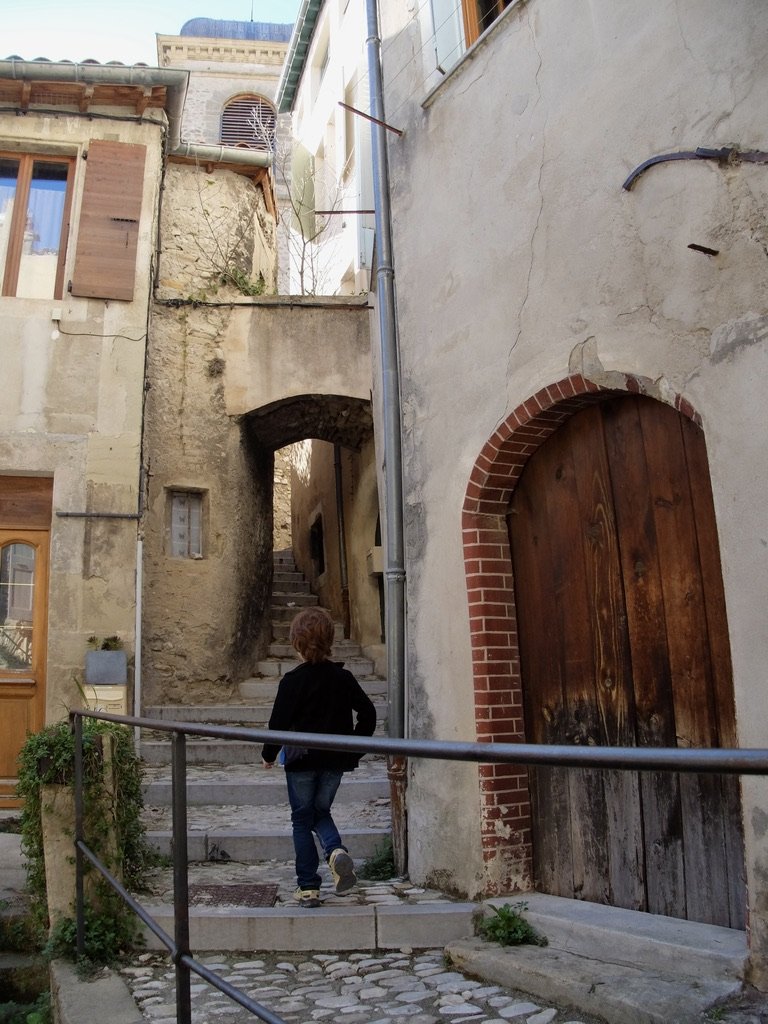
<point x="343" y="572"/>
<point x="393" y="457"/>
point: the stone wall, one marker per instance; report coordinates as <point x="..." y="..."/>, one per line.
<point x="204" y="622"/>
<point x="282" y="500"/>
<point x="215" y="228"/>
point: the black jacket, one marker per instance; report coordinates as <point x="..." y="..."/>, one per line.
<point x="321" y="698"/>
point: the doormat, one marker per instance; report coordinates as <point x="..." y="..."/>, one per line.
<point x="246" y="894"/>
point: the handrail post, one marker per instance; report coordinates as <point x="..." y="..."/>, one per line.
<point x="79" y="838"/>
<point x="180" y="876"/>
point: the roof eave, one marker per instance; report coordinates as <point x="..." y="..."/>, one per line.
<point x="295" y="60"/>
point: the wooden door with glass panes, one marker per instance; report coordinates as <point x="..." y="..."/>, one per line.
<point x="23" y="621"/>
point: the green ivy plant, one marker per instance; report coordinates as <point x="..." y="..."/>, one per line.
<point x="48" y="757"/>
<point x="508" y="927"/>
<point x="247" y="286"/>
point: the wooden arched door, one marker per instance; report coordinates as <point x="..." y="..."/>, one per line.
<point x="624" y="641"/>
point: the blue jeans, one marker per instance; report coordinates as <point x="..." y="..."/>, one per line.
<point x="310" y="795"/>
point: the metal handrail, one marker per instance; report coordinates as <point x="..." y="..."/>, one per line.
<point x="713" y="760"/>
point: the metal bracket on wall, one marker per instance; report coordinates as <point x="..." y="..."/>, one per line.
<point x="727" y="153"/>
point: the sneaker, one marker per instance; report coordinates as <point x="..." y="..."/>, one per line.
<point x="343" y="870"/>
<point x="307" y="897"/>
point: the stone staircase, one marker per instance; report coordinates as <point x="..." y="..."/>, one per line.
<point x="239" y="835"/>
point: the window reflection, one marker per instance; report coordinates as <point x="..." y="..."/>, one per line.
<point x="9" y="173"/>
<point x="42" y="231"/>
<point x="33" y="201"/>
<point x="17" y="585"/>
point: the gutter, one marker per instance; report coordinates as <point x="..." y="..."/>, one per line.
<point x="173" y="80"/>
<point x="293" y="65"/>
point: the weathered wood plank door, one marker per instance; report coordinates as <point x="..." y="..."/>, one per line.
<point x="624" y="641"/>
<point x="23" y="618"/>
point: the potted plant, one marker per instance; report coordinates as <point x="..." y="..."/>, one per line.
<point x="106" y="663"/>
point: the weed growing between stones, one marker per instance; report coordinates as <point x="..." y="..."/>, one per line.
<point x="380" y="866"/>
<point x="508" y="927"/>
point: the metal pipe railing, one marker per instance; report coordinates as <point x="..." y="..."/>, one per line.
<point x="718" y="760"/>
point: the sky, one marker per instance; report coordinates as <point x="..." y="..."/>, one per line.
<point x="121" y="30"/>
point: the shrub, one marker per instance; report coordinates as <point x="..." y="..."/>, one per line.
<point x="112" y="829"/>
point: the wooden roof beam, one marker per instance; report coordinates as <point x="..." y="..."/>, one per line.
<point x="26" y="94"/>
<point x="143" y="99"/>
<point x="86" y="97"/>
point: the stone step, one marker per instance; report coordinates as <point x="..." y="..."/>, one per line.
<point x="636" y="939"/>
<point x="624" y="966"/>
<point x="331" y="927"/>
<point x="151" y="735"/>
<point x="281" y="628"/>
<point x="375" y="915"/>
<point x="248" y="786"/>
<point x="249" y="847"/>
<point x="203" y="751"/>
<point x="287" y="612"/>
<point x="342" y="650"/>
<point x="295" y="601"/>
<point x="255" y="715"/>
<point x="264" y="688"/>
<point x="284" y="580"/>
<point x="353" y="660"/>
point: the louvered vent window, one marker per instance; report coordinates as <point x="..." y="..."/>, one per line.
<point x="249" y="121"/>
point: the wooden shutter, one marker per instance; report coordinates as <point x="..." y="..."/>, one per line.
<point x="105" y="261"/>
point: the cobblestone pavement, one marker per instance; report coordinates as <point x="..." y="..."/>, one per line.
<point x="356" y="988"/>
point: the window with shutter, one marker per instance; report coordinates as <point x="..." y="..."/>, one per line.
<point x="457" y="26"/>
<point x="249" y="121"/>
<point x="108" y="231"/>
<point x="479" y="15"/>
<point x="35" y="197"/>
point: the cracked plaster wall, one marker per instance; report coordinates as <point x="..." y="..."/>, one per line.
<point x="545" y="266"/>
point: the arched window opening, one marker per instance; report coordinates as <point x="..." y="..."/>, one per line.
<point x="249" y="121"/>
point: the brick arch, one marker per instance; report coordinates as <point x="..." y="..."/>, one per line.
<point x="504" y="797"/>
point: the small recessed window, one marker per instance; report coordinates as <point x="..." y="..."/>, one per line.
<point x="186" y="524"/>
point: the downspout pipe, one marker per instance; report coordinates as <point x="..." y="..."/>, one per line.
<point x="393" y="458"/>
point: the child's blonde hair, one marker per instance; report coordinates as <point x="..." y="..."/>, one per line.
<point x="311" y="634"/>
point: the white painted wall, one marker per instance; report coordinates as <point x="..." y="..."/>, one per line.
<point x="519" y="259"/>
<point x="339" y="143"/>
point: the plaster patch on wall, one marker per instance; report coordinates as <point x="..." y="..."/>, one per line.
<point x="759" y="822"/>
<point x="729" y="339"/>
<point x="584" y="358"/>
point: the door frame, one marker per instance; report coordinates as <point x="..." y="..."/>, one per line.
<point x="25" y="517"/>
<point x="505" y="807"/>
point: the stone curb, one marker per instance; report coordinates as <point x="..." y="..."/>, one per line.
<point x="334" y="927"/>
<point x="75" y="1001"/>
<point x="617" y="993"/>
